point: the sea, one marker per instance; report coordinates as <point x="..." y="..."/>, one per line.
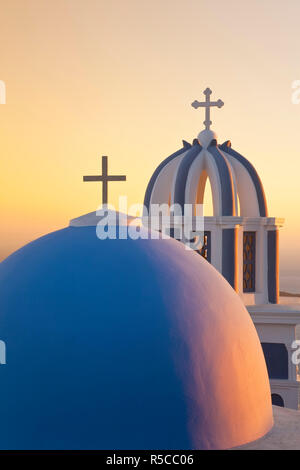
<point x="290" y="281"/>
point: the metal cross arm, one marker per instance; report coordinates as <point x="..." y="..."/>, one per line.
<point x="104" y="179"/>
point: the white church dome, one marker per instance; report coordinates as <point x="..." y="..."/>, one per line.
<point x="181" y="178"/>
<point x="125" y="344"/>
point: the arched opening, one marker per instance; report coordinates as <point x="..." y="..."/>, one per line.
<point x="277" y="400"/>
<point x="208" y="208"/>
<point x="204" y="196"/>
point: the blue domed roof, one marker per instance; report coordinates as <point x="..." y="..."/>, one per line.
<point x="124" y="344"/>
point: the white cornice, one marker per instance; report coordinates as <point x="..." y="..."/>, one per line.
<point x="284" y="384"/>
<point x="271" y="222"/>
<point x="275" y="313"/>
<point x="230" y="220"/>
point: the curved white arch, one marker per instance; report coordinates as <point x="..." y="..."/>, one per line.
<point x="163" y="184"/>
<point x="234" y="183"/>
<point x="204" y="167"/>
<point x="193" y="188"/>
<point x="245" y="188"/>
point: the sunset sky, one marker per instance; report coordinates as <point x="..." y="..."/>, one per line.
<point x="86" y="78"/>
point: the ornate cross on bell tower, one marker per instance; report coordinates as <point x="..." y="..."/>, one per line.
<point x="207" y="104"/>
<point x="105" y="178"/>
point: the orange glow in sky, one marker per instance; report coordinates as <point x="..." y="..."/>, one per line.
<point x="86" y="78"/>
